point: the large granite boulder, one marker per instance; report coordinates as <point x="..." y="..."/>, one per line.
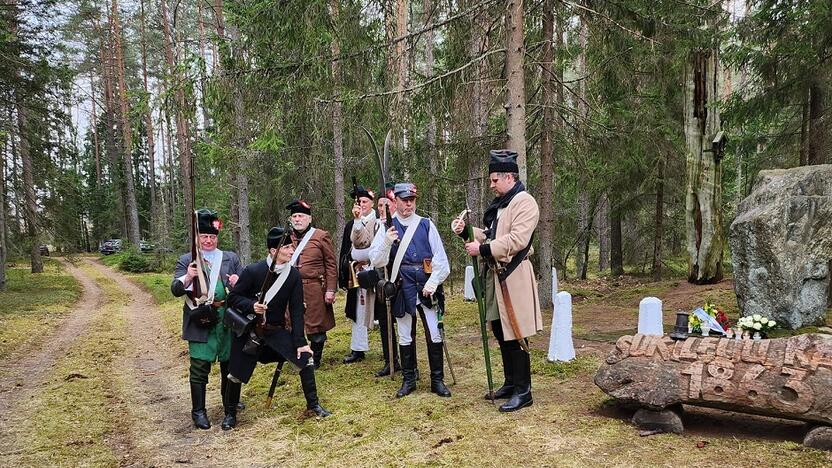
<point x="781" y="246"/>
<point x="788" y="378"/>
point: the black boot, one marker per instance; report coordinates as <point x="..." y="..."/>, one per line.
<point x="408" y="354"/>
<point x="198" y="413"/>
<point x="317" y="352"/>
<point x="232" y="399"/>
<point x="354" y="356"/>
<point x="223" y="385"/>
<point x="437" y="370"/>
<point x="522" y="396"/>
<point x="310" y="391"/>
<point x="508" y="369"/>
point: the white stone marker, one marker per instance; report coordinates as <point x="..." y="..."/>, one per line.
<point x="468" y="290"/>
<point x="650" y="316"/>
<point x="554" y="283"/>
<point x="561" y="347"/>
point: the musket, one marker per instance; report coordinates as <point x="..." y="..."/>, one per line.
<point x="441" y="325"/>
<point x="199" y="287"/>
<point x="272" y="387"/>
<point x="478" y="293"/>
<point x="383" y="169"/>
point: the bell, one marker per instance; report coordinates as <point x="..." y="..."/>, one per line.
<point x="680" y="330"/>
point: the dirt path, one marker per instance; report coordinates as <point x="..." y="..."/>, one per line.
<point x="23" y="374"/>
<point x="154" y="375"/>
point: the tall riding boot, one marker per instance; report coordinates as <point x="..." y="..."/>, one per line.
<point x="522" y="395"/>
<point x="224" y="384"/>
<point x="317" y="351"/>
<point x="408" y="355"/>
<point x="310" y="391"/>
<point x="198" y="413"/>
<point x="437" y="370"/>
<point x="508" y="370"/>
<point x="385" y="349"/>
<point x="232" y="398"/>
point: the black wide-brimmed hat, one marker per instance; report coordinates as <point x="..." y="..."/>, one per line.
<point x="503" y="160"/>
<point x="299" y="206"/>
<point x="208" y="222"/>
<point x="360" y="191"/>
<point x="277" y="237"/>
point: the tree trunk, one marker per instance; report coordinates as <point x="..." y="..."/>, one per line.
<point x="430" y="130"/>
<point x="203" y="78"/>
<point x="148" y="124"/>
<point x="23" y="133"/>
<point x="602" y="228"/>
<point x="659" y="232"/>
<point x="337" y="126"/>
<point x="547" y="163"/>
<point x="584" y="233"/>
<point x="3" y="223"/>
<point x="110" y="139"/>
<point x="183" y="138"/>
<point x="94" y="128"/>
<point x="703" y="199"/>
<point x="616" y="250"/>
<point x="131" y="206"/>
<point x="515" y="84"/>
<point x="582" y="110"/>
<point x="817" y="131"/>
<point x="30" y="203"/>
<point x="804" y="130"/>
<point x="479" y="118"/>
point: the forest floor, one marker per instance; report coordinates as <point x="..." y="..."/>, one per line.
<point x="93" y="373"/>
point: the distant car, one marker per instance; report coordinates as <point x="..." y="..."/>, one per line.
<point x="44" y="250"/>
<point x="146" y="246"/>
<point x="110" y="246"/>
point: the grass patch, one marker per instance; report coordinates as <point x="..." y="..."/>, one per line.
<point x="70" y="421"/>
<point x="158" y="285"/>
<point x="34" y="303"/>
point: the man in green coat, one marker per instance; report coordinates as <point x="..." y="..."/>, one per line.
<point x="208" y="339"/>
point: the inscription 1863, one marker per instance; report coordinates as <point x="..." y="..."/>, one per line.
<point x="787" y="377"/>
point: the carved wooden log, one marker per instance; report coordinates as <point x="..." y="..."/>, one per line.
<point x="786" y="377"/>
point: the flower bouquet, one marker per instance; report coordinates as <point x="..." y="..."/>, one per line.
<point x="757" y="324"/>
<point x="696" y="325"/>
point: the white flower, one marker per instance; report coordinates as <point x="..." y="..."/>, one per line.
<point x="757" y="326"/>
<point x="757" y="317"/>
<point x="772" y="323"/>
<point x="764" y="320"/>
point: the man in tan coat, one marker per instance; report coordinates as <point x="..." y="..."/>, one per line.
<point x="315" y="258"/>
<point x="504" y="245"/>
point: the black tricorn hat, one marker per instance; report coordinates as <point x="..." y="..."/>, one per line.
<point x="208" y="222"/>
<point x="503" y="160"/>
<point x="277" y="237"/>
<point x="360" y="191"/>
<point x="299" y="206"/>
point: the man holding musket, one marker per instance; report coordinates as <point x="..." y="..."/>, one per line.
<point x="202" y="326"/>
<point x="363" y="304"/>
<point x="512" y="302"/>
<point x="315" y="258"/>
<point x="415" y="255"/>
<point x="277" y="340"/>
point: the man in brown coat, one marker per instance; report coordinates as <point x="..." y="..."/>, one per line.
<point x="315" y="258"/>
<point x="505" y="245"/>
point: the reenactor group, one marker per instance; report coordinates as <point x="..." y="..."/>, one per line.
<point x="280" y="308"/>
